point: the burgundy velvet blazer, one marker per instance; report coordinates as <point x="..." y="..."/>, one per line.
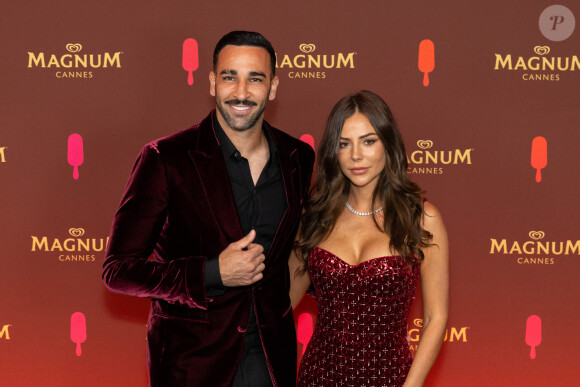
<point x="178" y="209"/>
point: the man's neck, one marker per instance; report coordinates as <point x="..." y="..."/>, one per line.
<point x="247" y="142"/>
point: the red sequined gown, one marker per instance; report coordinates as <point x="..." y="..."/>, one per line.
<point x="360" y="338"/>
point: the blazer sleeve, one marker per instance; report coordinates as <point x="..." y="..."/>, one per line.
<point x="136" y="229"/>
<point x="308" y="168"/>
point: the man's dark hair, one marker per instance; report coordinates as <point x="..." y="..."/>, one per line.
<point x="245" y="38"/>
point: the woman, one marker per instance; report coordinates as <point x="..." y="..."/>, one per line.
<point x="366" y="238"/>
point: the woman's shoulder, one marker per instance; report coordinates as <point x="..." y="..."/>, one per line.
<point x="430" y="209"/>
<point x="432" y="218"/>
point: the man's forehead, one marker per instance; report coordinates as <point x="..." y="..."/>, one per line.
<point x="249" y="53"/>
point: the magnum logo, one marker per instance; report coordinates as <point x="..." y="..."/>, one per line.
<point x="533" y="333"/>
<point x="536" y="250"/>
<point x="452" y="334"/>
<point x="304" y="330"/>
<point x="190" y="58"/>
<point x="74" y="64"/>
<point x="5" y="333"/>
<point x="426" y="160"/>
<point x="307" y="138"/>
<point x="308" y="65"/>
<point x="426" y="59"/>
<point x="538" y="67"/>
<point x="539" y="158"/>
<point x="78" y="331"/>
<point x="2" y="154"/>
<point x="75" y="154"/>
<point x="74" y="249"/>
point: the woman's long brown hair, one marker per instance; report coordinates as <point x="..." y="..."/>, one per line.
<point x="400" y="197"/>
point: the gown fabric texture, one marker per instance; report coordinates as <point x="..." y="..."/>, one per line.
<point x="360" y="338"/>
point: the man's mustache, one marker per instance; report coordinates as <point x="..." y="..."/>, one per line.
<point x="240" y="102"/>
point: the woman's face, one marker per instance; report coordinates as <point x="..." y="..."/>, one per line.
<point x="361" y="154"/>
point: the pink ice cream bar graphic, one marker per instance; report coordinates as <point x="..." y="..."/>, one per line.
<point x="426" y="59"/>
<point x="78" y="330"/>
<point x="75" y="154"/>
<point x="539" y="156"/>
<point x="307" y="138"/>
<point x="533" y="334"/>
<point x="304" y="330"/>
<point x="190" y="59"/>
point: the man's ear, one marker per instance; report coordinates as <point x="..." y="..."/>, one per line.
<point x="273" y="88"/>
<point x="212" y="83"/>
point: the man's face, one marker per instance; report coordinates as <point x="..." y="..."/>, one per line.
<point x="242" y="85"/>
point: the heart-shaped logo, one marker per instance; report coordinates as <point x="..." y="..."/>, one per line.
<point x="307" y="48"/>
<point x="76" y="232"/>
<point x="424" y="144"/>
<point x="74" y="47"/>
<point x="542" y="50"/>
<point x="537" y="235"/>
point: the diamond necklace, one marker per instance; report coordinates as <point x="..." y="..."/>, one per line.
<point x="362" y="213"/>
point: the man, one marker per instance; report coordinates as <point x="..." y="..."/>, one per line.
<point x="217" y="207"/>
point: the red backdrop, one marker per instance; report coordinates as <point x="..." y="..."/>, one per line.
<point x="504" y="74"/>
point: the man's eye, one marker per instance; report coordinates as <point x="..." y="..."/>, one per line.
<point x="255" y="79"/>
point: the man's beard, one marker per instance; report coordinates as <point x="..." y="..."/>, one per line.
<point x="241" y="124"/>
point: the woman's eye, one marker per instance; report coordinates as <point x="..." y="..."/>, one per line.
<point x="370" y="142"/>
<point x="342" y="144"/>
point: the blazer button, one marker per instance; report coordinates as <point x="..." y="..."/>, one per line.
<point x="241" y="329"/>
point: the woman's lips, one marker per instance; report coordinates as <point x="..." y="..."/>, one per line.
<point x="358" y="171"/>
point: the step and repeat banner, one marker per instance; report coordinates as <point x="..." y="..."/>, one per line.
<point x="487" y="98"/>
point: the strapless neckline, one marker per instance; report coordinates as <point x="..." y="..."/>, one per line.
<point x="360" y="263"/>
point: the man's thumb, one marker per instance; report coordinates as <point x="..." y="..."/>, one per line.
<point x="245" y="241"/>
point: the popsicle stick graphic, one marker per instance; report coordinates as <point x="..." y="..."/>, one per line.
<point x="307" y="138"/>
<point x="305" y="330"/>
<point x="78" y="330"/>
<point x="190" y="59"/>
<point x="426" y="59"/>
<point x="539" y="156"/>
<point x="533" y="333"/>
<point x="75" y="153"/>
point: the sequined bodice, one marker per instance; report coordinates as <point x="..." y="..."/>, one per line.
<point x="360" y="338"/>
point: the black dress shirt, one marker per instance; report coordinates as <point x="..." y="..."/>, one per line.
<point x="260" y="207"/>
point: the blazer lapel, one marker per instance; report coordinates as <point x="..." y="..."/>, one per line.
<point x="208" y="160"/>
<point x="291" y="174"/>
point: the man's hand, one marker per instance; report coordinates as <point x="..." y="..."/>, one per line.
<point x="242" y="262"/>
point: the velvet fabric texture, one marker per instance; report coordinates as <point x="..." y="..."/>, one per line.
<point x="178" y="210"/>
